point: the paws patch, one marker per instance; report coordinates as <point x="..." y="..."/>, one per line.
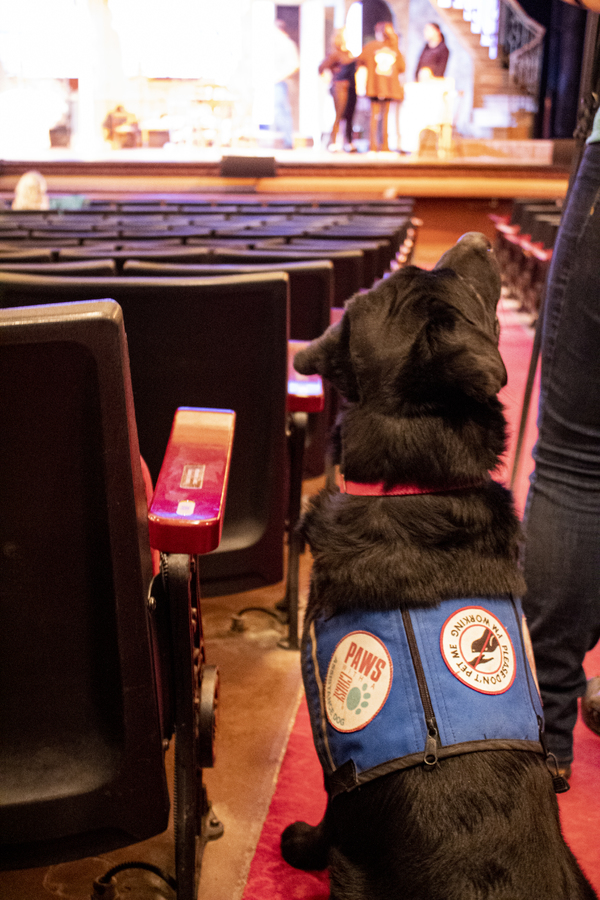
<point x="359" y="678"/>
<point x="478" y="651"/>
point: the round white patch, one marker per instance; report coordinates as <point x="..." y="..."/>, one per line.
<point x="359" y="678"/>
<point x="478" y="651"/>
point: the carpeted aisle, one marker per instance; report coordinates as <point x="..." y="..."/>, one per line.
<point x="299" y="791"/>
<point x="580" y="807"/>
<point x="299" y="795"/>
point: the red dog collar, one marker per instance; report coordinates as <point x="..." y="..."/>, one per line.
<point x="378" y="489"/>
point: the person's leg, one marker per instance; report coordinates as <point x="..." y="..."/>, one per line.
<point x="349" y="113"/>
<point x="562" y="546"/>
<point x="397" y="124"/>
<point x="340" y="96"/>
<point x="375" y="111"/>
<point x="385" y="112"/>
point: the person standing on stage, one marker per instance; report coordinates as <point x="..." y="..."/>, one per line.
<point x="286" y="63"/>
<point x="340" y="63"/>
<point x="435" y="52"/>
<point x="384" y="64"/>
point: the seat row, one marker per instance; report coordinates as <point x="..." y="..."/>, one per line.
<point x="357" y="264"/>
<point x="524" y="244"/>
<point x="172" y="204"/>
<point x="104" y="659"/>
<point x="209" y="326"/>
<point x="206" y="218"/>
<point x="380" y="230"/>
<point x="360" y="249"/>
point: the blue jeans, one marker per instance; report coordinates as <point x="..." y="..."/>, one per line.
<point x="562" y="519"/>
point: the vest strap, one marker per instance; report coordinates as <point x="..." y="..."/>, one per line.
<point x="345" y="778"/>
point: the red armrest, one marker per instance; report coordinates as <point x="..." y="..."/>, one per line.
<point x="186" y="513"/>
<point x="537" y="249"/>
<point x="304" y="392"/>
<point x="506" y="228"/>
<point x="518" y="240"/>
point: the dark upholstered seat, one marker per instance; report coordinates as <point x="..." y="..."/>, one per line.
<point x="98" y="660"/>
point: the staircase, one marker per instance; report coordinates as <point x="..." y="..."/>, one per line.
<point x="505" y="46"/>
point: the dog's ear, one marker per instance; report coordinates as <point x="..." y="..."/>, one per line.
<point x="329" y="356"/>
<point x="465" y="356"/>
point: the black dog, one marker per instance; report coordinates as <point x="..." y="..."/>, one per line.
<point x="417" y="523"/>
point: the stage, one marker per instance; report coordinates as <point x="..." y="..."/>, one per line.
<point x="477" y="169"/>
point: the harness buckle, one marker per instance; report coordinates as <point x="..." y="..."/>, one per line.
<point x="559" y="782"/>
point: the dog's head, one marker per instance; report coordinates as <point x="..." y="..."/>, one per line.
<point x="418" y="335"/>
<point x="421" y="346"/>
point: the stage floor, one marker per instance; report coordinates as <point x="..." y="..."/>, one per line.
<point x="487" y="169"/>
<point x="463" y="150"/>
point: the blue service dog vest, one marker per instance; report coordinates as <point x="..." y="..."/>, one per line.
<point x="390" y="690"/>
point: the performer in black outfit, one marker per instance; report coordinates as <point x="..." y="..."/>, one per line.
<point x="343" y="88"/>
<point x="435" y="52"/>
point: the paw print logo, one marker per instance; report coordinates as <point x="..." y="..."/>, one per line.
<point x="358" y="699"/>
<point x="358" y="681"/>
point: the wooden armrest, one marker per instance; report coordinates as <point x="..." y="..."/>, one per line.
<point x="304" y="392"/>
<point x="186" y="513"/>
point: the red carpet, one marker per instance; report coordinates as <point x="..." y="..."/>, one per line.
<point x="299" y="792"/>
<point x="299" y="795"/>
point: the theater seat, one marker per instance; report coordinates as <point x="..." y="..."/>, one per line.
<point x="219" y="342"/>
<point x="92" y="268"/>
<point x="101" y="664"/>
<point x="311" y="286"/>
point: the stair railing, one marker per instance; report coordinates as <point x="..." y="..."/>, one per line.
<point x="520" y="41"/>
<point x="506" y="29"/>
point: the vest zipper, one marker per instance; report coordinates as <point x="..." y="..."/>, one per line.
<point x="430" y="756"/>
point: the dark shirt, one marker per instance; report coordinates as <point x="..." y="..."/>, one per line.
<point x="345" y="72"/>
<point x="434" y="58"/>
<point x="341" y="63"/>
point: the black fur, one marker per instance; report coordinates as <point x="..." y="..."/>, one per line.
<point x="416" y="360"/>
